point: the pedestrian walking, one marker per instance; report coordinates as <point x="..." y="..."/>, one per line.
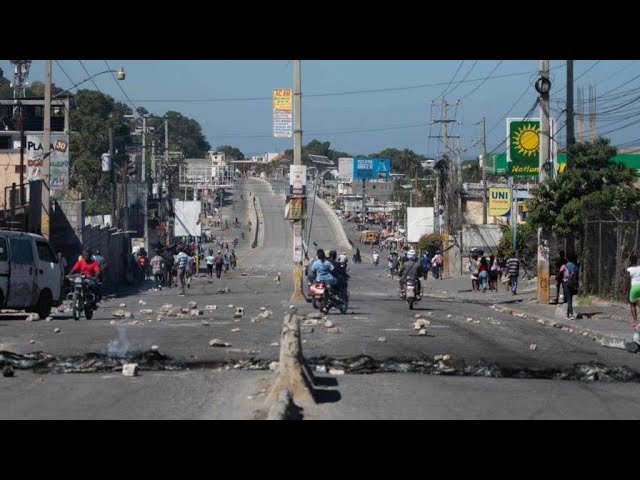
<point x="634" y="288"/>
<point x="513" y="270"/>
<point x="569" y="273"/>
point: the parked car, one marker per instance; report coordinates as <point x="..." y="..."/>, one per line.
<point x="31" y="277"/>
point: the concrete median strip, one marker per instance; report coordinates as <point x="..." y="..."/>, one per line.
<point x="294" y="384"/>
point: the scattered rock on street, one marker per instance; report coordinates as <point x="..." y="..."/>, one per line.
<point x="211" y="307"/>
<point x="119" y="313"/>
<point x="122" y="305"/>
<point x="218" y="343"/>
<point x="56" y="330"/>
<point x="275" y="344"/>
<point x="7" y="371"/>
<point x="130" y="370"/>
<point x="235" y="329"/>
<point x="329" y="324"/>
<point x="192" y="305"/>
<point x="32" y="341"/>
<point x="533" y="346"/>
<point x="142" y="302"/>
<point x="333" y="330"/>
<point x="422" y="331"/>
<point x="195" y="312"/>
<point x="127" y="314"/>
<point x="146" y="311"/>
<point x="113" y="322"/>
<point x="155" y="348"/>
<point x="335" y="371"/>
<point x="165" y="309"/>
<point x="204" y="323"/>
<point x="273" y="366"/>
<point x="382" y="339"/>
<point x="48" y="319"/>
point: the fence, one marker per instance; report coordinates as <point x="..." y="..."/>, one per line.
<point x="605" y="257"/>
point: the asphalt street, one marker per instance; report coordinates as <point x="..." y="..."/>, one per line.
<point x="378" y="324"/>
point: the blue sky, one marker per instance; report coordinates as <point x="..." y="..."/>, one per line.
<point x="396" y="118"/>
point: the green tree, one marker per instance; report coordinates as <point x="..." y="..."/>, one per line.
<point x="185" y="135"/>
<point x="90" y="122"/>
<point x="5" y="86"/>
<point x="595" y="188"/>
<point x="430" y="243"/>
<point x="231" y="152"/>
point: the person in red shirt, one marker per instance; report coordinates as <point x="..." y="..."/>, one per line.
<point x="87" y="265"/>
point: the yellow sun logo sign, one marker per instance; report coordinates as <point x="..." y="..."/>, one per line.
<point x="526" y="140"/>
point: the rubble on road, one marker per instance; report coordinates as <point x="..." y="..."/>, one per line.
<point x="195" y="312"/>
<point x="211" y="307"/>
<point x="7" y="371"/>
<point x="235" y="329"/>
<point x="533" y="347"/>
<point x="119" y="313"/>
<point x="382" y="339"/>
<point x="310" y="321"/>
<point x="204" y="323"/>
<point x="218" y="343"/>
<point x="336" y="371"/>
<point x="333" y="330"/>
<point x="165" y="309"/>
<point x="122" y="305"/>
<point x="56" y="330"/>
<point x="307" y="330"/>
<point x="155" y="348"/>
<point x="173" y="312"/>
<point x="127" y="315"/>
<point x="328" y="324"/>
<point x="273" y="366"/>
<point x="130" y="370"/>
<point x="48" y="319"/>
<point x="146" y="311"/>
<point x="142" y="302"/>
<point x="274" y="344"/>
<point x="422" y="331"/>
<point x="192" y="305"/>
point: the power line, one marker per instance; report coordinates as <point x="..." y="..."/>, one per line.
<point x="464" y="78"/>
<point x="330" y="94"/>
<point x="452" y="79"/>
<point x="65" y="73"/>
<point x="135" y="109"/>
<point x="484" y="80"/>
<point x="87" y="72"/>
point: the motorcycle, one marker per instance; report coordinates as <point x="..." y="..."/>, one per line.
<point x="376" y="261"/>
<point x="324" y="297"/>
<point x="82" y="298"/>
<point x="410" y="292"/>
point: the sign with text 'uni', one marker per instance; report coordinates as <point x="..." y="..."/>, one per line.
<point x="499" y="201"/>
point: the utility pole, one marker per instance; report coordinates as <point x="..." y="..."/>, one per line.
<point x="125" y="193"/>
<point x="160" y="178"/>
<point x="571" y="138"/>
<point x="297" y="297"/>
<point x="46" y="163"/>
<point x="143" y="174"/>
<point x="483" y="167"/>
<point x="114" y="223"/>
<point x="543" y="85"/>
<point x="445" y="140"/>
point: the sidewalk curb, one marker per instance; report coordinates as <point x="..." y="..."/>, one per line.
<point x="606" y="340"/>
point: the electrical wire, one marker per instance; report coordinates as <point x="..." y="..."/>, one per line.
<point x="87" y="72"/>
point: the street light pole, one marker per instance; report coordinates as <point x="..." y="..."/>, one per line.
<point x="45" y="217"/>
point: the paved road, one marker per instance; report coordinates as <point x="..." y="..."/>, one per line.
<point x="375" y="312"/>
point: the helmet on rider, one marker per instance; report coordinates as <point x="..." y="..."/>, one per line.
<point x="411" y="255"/>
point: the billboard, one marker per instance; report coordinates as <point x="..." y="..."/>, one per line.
<point x="298" y="180"/>
<point x="282" y="113"/>
<point x="419" y="223"/>
<point x="59" y="161"/>
<point x="499" y="201"/>
<point x="523" y="149"/>
<point x="295" y="208"/>
<point x="187" y="218"/>
<point x="368" y="168"/>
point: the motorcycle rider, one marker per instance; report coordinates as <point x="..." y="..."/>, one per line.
<point x="88" y="267"/>
<point x="376" y="258"/>
<point x="321" y="270"/>
<point x="411" y="268"/>
<point x="340" y="272"/>
<point x="342" y="258"/>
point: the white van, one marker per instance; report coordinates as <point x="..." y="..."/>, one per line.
<point x="31" y="277"/>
